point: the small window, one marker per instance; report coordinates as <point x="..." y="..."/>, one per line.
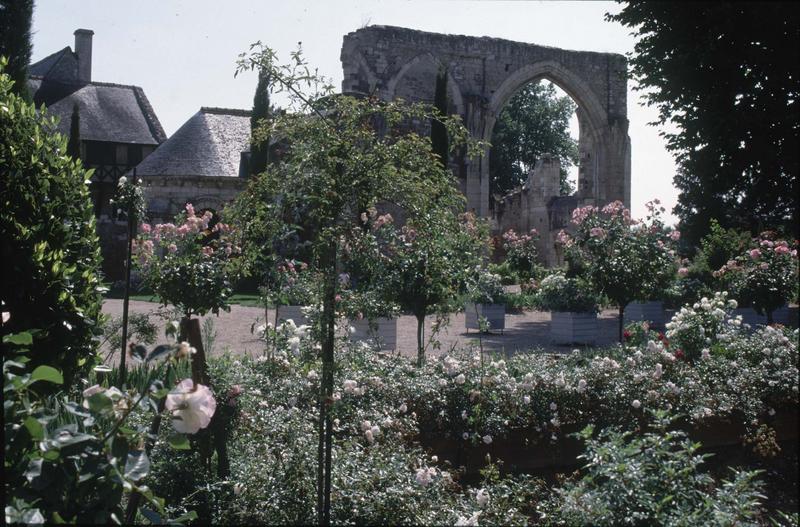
<point x="100" y="153"/>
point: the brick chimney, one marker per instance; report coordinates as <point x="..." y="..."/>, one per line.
<point x="83" y="49"/>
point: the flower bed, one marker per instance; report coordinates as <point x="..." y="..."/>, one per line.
<point x="401" y="432"/>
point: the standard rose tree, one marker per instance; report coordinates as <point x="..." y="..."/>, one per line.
<point x="624" y="259"/>
<point x="764" y="276"/>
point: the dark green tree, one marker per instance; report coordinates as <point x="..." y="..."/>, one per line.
<point x="50" y="250"/>
<point x="534" y="122"/>
<point x="74" y="145"/>
<point x="727" y="75"/>
<point x="438" y="130"/>
<point x="259" y="144"/>
<point x="15" y="42"/>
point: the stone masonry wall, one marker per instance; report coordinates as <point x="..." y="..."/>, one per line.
<point x="483" y="74"/>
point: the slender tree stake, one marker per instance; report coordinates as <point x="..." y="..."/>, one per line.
<point x="126" y="298"/>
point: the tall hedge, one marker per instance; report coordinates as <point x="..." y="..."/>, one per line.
<point x="50" y="249"/>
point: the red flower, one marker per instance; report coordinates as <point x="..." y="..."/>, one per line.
<point x="660" y="336"/>
<point x="679" y="354"/>
<point x="626" y="334"/>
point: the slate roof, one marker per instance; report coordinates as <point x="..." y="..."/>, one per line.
<point x="108" y="112"/>
<point x="210" y="143"/>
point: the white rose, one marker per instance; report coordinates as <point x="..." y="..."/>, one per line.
<point x="192" y="406"/>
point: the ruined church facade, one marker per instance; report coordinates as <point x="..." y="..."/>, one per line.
<point x="482" y="75"/>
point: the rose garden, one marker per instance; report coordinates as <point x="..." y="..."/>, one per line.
<point x="688" y="419"/>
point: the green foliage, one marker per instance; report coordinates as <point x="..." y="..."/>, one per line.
<point x="521" y="253"/>
<point x="534" y="122"/>
<point x="461" y="399"/>
<point x="74" y="144"/>
<point x="15" y="42"/>
<point x="624" y="260"/>
<point x="560" y="293"/>
<point x="713" y="76"/>
<point x="653" y="479"/>
<point x="50" y="248"/>
<point x="194" y="266"/>
<point x="259" y="120"/>
<point x="140" y="329"/>
<point x="70" y="462"/>
<point x="765" y="277"/>
<point x="484" y="287"/>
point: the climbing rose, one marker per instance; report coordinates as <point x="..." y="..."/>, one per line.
<point x="192" y="407"/>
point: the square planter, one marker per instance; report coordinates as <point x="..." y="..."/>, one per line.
<point x="382" y="332"/>
<point x="652" y="312"/>
<point x="567" y="327"/>
<point x="495" y="315"/>
<point x="292" y="312"/>
<point x="753" y="319"/>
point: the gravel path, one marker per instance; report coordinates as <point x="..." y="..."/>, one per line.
<point x="523" y="331"/>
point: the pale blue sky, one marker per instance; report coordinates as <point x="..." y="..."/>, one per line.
<point x="183" y="53"/>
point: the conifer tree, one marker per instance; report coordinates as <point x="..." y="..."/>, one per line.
<point x="259" y="144"/>
<point x="15" y="42"/>
<point x="439" y="143"/>
<point x="74" y="145"/>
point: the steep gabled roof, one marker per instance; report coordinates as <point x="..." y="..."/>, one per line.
<point x="61" y="64"/>
<point x="210" y="143"/>
<point x="108" y="112"/>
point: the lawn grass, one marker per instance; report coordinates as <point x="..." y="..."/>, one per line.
<point x="242" y="299"/>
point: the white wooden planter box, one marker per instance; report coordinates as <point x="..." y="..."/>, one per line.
<point x="652" y="312"/>
<point x="749" y="316"/>
<point x="292" y="312"/>
<point x="495" y="315"/>
<point x="567" y="327"/>
<point x="382" y="334"/>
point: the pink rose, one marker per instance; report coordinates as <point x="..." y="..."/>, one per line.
<point x="683" y="271"/>
<point x="755" y="254"/>
<point x="675" y="236"/>
<point x="146" y="228"/>
<point x="189" y="209"/>
<point x="172" y="248"/>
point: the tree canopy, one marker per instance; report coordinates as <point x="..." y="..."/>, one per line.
<point x="534" y="122"/>
<point x="15" y="42"/>
<point x="727" y="74"/>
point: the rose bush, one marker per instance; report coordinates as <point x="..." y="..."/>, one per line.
<point x="187" y="264"/>
<point x="766" y="276"/>
<point x="624" y="259"/>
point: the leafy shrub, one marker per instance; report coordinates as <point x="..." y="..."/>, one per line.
<point x="703" y="325"/>
<point x="653" y="479"/>
<point x="50" y="251"/>
<point x="559" y="293"/>
<point x="190" y="265"/>
<point x="765" y="277"/>
<point x="484" y="287"/>
<point x="66" y="461"/>
<point x="521" y="253"/>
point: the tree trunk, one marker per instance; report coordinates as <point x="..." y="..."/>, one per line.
<point x="621" y="321"/>
<point x="420" y="340"/>
<point x="190" y="332"/>
<point x="326" y="392"/>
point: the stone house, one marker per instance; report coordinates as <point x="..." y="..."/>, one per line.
<point x="118" y="129"/>
<point x="205" y="163"/>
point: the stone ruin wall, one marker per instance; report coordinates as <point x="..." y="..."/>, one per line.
<point x="483" y="74"/>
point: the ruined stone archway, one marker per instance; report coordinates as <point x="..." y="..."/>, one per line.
<point x="483" y="73"/>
